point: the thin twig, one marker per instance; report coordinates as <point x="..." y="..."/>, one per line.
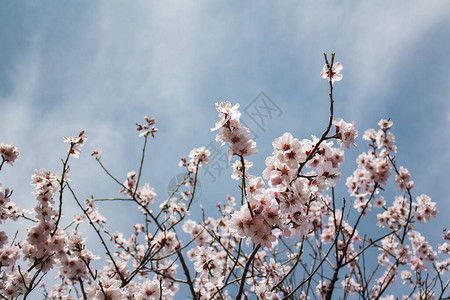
<point x="98" y="233"/>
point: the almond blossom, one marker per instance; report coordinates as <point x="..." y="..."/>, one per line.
<point x="335" y="72"/>
<point x="9" y="154"/>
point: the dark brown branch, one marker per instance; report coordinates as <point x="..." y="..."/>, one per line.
<point x="186" y="272"/>
<point x="244" y="273"/>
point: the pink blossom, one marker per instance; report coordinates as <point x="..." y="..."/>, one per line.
<point x="199" y="156"/>
<point x="347" y="133"/>
<point x="149" y="290"/>
<point x="335" y="72"/>
<point x="9" y="153"/>
<point x="425" y="208"/>
<point x="76" y="142"/>
<point x="145" y="130"/>
<point x="227" y="114"/>
<point x="237" y="169"/>
<point x="406" y="276"/>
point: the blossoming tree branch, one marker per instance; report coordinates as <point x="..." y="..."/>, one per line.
<point x="287" y="235"/>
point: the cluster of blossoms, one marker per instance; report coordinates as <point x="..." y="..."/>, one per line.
<point x="145" y="130"/>
<point x="198" y="157"/>
<point x="8" y="209"/>
<point x="9" y="154"/>
<point x="11" y="280"/>
<point x="374" y="169"/>
<point x="444" y="265"/>
<point x="257" y="246"/>
<point x="76" y="142"/>
<point x="144" y="194"/>
<point x="423" y="252"/>
<point x="238" y="171"/>
<point x="231" y="131"/>
<point x="46" y="244"/>
<point x="40" y="246"/>
<point x="403" y="179"/>
<point x="347" y="133"/>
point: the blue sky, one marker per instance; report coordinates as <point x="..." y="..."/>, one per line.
<point x="101" y="66"/>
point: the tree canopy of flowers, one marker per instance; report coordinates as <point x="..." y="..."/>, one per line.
<point x="286" y="236"/>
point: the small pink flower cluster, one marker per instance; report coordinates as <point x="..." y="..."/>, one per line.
<point x="42" y="240"/>
<point x="373" y="167"/>
<point x="395" y="216"/>
<point x="93" y="212"/>
<point x="76" y="142"/>
<point x="199" y="156"/>
<point x="11" y="280"/>
<point x="403" y="179"/>
<point x="423" y="252"/>
<point x="424" y="209"/>
<point x="350" y="285"/>
<point x="9" y="154"/>
<point x="444" y="265"/>
<point x="150" y="289"/>
<point x="445" y="248"/>
<point x="238" y="170"/>
<point x="233" y="132"/>
<point x="144" y="194"/>
<point x="40" y="246"/>
<point x="130" y="184"/>
<point x="258" y="224"/>
<point x="282" y="166"/>
<point x="346" y="133"/>
<point x="145" y="130"/>
<point x="14" y="283"/>
<point x="8" y="210"/>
